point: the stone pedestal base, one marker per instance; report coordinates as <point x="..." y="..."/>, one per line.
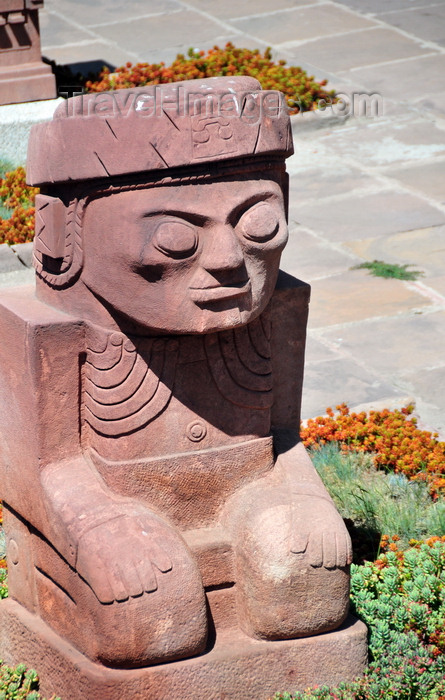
<point x="26" y="83"/>
<point x="236" y="668"/>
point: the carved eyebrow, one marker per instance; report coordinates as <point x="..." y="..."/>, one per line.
<point x="242" y="207"/>
<point x="190" y="217"/>
<point x="201" y="220"/>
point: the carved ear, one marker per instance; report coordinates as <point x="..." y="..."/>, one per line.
<point x="50" y="226"/>
<point x="57" y="242"/>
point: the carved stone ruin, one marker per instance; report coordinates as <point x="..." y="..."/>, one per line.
<point x="159" y="506"/>
<point x="23" y="75"/>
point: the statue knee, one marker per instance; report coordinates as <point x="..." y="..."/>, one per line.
<point x="281" y="594"/>
<point x="165" y="624"/>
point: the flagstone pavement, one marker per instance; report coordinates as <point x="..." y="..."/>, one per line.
<point x="367" y="177"/>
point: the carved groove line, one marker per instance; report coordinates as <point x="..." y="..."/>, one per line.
<point x="241" y="374"/>
<point x="246" y="378"/>
<point x="73" y="254"/>
<point x="124" y="389"/>
<point x="258" y="338"/>
<point x="251" y="360"/>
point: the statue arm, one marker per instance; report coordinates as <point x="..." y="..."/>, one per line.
<point x="115" y="544"/>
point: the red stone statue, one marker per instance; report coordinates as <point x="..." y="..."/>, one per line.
<point x="158" y="504"/>
<point x="23" y="75"/>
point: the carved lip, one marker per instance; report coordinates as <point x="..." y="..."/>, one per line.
<point x="218" y="292"/>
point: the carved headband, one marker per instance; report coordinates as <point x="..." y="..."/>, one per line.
<point x="158" y="127"/>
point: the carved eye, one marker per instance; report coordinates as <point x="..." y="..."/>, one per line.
<point x="260" y="223"/>
<point x="176" y="239"/>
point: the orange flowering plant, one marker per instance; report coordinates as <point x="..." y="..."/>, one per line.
<point x="393" y="438"/>
<point x="302" y="92"/>
<point x="17" y="208"/>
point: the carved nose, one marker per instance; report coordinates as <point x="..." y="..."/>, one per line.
<point x="222" y="251"/>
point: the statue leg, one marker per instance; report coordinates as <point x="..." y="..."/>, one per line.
<point x="292" y="554"/>
<point x="165" y="624"/>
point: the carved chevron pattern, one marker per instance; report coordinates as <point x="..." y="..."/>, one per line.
<point x="239" y="361"/>
<point x="127" y="387"/>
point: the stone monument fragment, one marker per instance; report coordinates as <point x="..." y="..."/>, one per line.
<point x="23" y="75"/>
<point x="167" y="533"/>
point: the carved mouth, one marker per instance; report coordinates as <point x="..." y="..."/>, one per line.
<point x="202" y="295"/>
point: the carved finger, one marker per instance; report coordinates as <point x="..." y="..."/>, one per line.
<point x="130" y="574"/>
<point x="299" y="543"/>
<point x="315" y="549"/>
<point x="99" y="583"/>
<point x="117" y="581"/>
<point x="159" y="557"/>
<point x="342" y="552"/>
<point x="147" y="575"/>
<point x="329" y="550"/>
<point x="348" y="550"/>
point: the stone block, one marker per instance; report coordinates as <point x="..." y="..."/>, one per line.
<point x="23" y="75"/>
<point x="236" y="668"/>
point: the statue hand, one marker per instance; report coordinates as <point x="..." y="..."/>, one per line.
<point x="319" y="535"/>
<point x="122" y="557"/>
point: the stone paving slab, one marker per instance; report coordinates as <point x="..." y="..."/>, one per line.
<point x="316" y="183"/>
<point x="231" y="9"/>
<point x="159" y="31"/>
<point x="373" y="297"/>
<point x="432" y="104"/>
<point x="99" y="53"/>
<point x="377" y="7"/>
<point x="23" y="252"/>
<point x="15" y="124"/>
<point x="374" y="46"/>
<point x="302" y="24"/>
<point x="99" y="12"/>
<point x="395" y="345"/>
<point x="424" y="249"/>
<point x="428" y="178"/>
<point x="58" y="31"/>
<point x="317" y="351"/>
<point x="438" y="283"/>
<point x="360" y="216"/>
<point x="427" y="386"/>
<point x="324" y="382"/>
<point x="380" y="144"/>
<point x="425" y="22"/>
<point x="16" y="278"/>
<point x="401" y="80"/>
<point x="9" y="261"/>
<point x="308" y="257"/>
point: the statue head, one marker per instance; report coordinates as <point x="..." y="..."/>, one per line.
<point x="163" y="208"/>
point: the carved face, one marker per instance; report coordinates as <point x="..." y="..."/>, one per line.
<point x="189" y="258"/>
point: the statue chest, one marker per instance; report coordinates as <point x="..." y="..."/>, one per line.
<point x="161" y="412"/>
